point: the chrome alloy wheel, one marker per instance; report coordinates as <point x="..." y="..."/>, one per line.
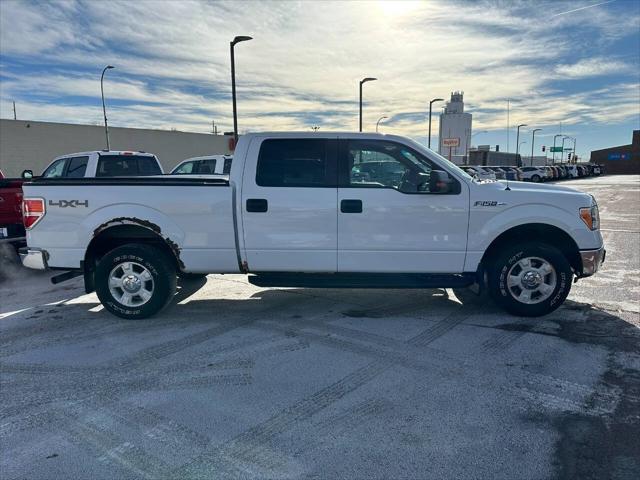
<point x="531" y="280"/>
<point x="131" y="284"/>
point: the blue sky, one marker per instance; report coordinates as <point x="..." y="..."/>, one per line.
<point x="575" y="63"/>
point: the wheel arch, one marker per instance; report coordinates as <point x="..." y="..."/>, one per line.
<point x="121" y="232"/>
<point x="531" y="232"/>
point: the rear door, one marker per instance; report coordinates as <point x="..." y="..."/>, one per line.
<point x="388" y="221"/>
<point x="289" y="205"/>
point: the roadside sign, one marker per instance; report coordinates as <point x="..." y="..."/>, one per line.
<point x="555" y="149"/>
<point x="568" y="149"/>
<point x="484" y="148"/>
<point x="450" y="142"/>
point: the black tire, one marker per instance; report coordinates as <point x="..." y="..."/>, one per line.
<point x="162" y="277"/>
<point x="535" y="178"/>
<point x="505" y="296"/>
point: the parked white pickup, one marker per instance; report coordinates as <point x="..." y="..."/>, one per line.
<point x="316" y="210"/>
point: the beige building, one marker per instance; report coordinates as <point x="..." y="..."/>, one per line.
<point x="32" y="145"/>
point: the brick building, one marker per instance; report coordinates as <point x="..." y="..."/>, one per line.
<point x="624" y="159"/>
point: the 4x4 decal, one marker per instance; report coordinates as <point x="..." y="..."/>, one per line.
<point x="69" y="203"/>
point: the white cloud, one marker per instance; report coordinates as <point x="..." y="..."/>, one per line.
<point x="305" y="61"/>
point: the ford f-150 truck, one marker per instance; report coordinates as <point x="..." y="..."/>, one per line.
<point x="298" y="211"/>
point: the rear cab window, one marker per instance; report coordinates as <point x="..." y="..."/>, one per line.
<point x="127" y="166"/>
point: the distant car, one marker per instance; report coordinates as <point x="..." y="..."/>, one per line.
<point x="103" y="163"/>
<point x="211" y="164"/>
<point x="595" y="170"/>
<point x="500" y="174"/>
<point x="534" y="174"/>
<point x="481" y="173"/>
<point x="510" y="173"/>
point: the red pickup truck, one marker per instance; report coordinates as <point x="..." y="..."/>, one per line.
<point x="11" y="228"/>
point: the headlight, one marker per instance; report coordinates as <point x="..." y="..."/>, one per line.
<point x="591" y="217"/>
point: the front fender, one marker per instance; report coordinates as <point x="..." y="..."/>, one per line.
<point x="488" y="223"/>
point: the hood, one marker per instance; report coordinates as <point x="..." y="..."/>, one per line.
<point x="535" y="187"/>
<point x="525" y="192"/>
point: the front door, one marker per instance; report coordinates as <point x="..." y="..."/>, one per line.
<point x="389" y="220"/>
<point x="289" y="202"/>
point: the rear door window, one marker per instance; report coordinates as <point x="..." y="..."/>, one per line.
<point x="77" y="167"/>
<point x="284" y="162"/>
<point x="206" y="167"/>
<point x="148" y="166"/>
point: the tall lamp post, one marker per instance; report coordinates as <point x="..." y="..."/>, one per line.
<point x="533" y="142"/>
<point x="518" y="137"/>
<point x="363" y="81"/>
<point x="232" y="44"/>
<point x="430" y="107"/>
<point x="522" y="143"/>
<point x="104" y="109"/>
<point x="554" y="149"/>
<point x="378" y="122"/>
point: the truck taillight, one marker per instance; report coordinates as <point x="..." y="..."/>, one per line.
<point x="33" y="209"/>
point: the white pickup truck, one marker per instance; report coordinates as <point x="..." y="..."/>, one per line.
<point x="339" y="210"/>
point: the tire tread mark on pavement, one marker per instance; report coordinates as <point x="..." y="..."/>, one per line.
<point x="85" y="433"/>
<point x="441" y="328"/>
<point x="500" y="341"/>
<point x="255" y="446"/>
<point x="339" y="424"/>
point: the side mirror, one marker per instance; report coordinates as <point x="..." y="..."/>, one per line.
<point x="27" y="174"/>
<point x="440" y="182"/>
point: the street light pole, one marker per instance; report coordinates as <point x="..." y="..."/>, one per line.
<point x="554" y="149"/>
<point x="522" y="143"/>
<point x="518" y="137"/>
<point x="378" y="122"/>
<point x="104" y="109"/>
<point x="533" y="141"/>
<point x="574" y="150"/>
<point x="232" y="44"/>
<point x="430" y="106"/>
<point x="363" y="81"/>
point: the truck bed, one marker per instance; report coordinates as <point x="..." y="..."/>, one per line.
<point x="196" y="215"/>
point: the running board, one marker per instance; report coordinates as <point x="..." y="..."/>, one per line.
<point x="362" y="280"/>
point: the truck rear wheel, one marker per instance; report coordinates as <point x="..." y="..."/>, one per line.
<point x="135" y="281"/>
<point x="530" y="280"/>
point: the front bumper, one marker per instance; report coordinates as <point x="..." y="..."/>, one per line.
<point x="34" y="258"/>
<point x="591" y="261"/>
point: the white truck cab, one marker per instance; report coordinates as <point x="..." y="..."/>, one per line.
<point x="103" y="163"/>
<point x="316" y="210"/>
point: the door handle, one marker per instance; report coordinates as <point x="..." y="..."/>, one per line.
<point x="257" y="205"/>
<point x="351" y="206"/>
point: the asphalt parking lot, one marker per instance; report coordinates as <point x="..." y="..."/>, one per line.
<point x="234" y="381"/>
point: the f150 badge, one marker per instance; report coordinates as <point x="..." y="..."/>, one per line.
<point x="69" y="203"/>
<point x="488" y="203"/>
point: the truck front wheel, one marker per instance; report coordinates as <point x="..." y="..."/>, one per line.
<point x="530" y="280"/>
<point x="135" y="281"/>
